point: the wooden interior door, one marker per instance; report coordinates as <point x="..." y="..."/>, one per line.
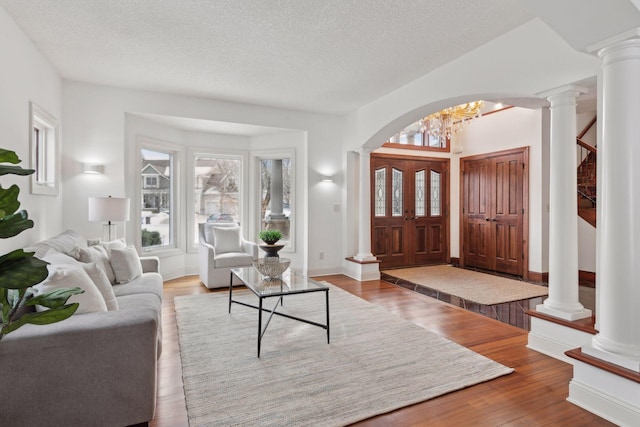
<point x="409" y="212"/>
<point x="494" y="211"/>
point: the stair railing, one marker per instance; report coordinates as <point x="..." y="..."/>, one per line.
<point x="587" y="158"/>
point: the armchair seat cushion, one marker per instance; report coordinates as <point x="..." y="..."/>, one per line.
<point x="233" y="259"/>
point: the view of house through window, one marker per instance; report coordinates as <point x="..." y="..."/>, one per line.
<point x="276" y="196"/>
<point x="156" y="217"/>
<point x="217" y="190"/>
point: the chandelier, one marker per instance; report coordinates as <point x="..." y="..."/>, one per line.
<point x="451" y="120"/>
<point x="439" y="127"/>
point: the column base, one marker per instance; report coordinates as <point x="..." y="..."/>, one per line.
<point x="565" y="315"/>
<point x="554" y="339"/>
<point x="616" y="359"/>
<point x="605" y="394"/>
<point x="362" y="271"/>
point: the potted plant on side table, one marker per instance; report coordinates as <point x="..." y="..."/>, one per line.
<point x="270" y="238"/>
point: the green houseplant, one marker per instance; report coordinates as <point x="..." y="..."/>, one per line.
<point x="270" y="237"/>
<point x="19" y="270"/>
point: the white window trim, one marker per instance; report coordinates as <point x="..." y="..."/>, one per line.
<point x="278" y="153"/>
<point x="192" y="153"/>
<point x="177" y="213"/>
<point x="41" y="119"/>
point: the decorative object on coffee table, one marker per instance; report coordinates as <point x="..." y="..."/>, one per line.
<point x="271" y="267"/>
<point x="270" y="237"/>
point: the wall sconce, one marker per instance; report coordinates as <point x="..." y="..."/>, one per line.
<point x="326" y="178"/>
<point x="92" y="168"/>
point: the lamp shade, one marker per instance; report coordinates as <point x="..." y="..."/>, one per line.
<point x="108" y="209"/>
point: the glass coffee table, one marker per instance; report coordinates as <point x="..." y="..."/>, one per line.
<point x="287" y="284"/>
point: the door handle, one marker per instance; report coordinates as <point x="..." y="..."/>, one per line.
<point x="487" y="219"/>
<point x="493" y="219"/>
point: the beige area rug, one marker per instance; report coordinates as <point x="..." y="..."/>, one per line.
<point x="376" y="362"/>
<point x="469" y="285"/>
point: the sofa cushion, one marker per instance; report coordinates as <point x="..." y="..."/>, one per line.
<point x="97" y="275"/>
<point x="227" y="239"/>
<point x="138" y="302"/>
<point x="63" y="243"/>
<point x="71" y="276"/>
<point x="233" y="259"/>
<point x="126" y="264"/>
<point x="54" y="257"/>
<point x="147" y="283"/>
<point x="100" y="279"/>
<point x="99" y="255"/>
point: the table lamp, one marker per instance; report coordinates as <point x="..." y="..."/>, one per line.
<point x="108" y="209"/>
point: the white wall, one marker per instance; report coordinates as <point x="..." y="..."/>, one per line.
<point x="25" y="75"/>
<point x="96" y="129"/>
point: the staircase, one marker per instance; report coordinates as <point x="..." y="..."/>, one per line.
<point x="587" y="155"/>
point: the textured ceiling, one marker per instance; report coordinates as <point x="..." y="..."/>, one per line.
<point x="314" y="55"/>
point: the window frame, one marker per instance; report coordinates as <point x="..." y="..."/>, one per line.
<point x="192" y="153"/>
<point x="176" y="215"/>
<point x="47" y="159"/>
<point x="275" y="154"/>
<point x="425" y="138"/>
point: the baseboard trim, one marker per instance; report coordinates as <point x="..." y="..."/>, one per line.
<point x="455" y="261"/>
<point x="535" y="276"/>
<point x="606" y="404"/>
<point x="587" y="278"/>
<point x="554" y="339"/>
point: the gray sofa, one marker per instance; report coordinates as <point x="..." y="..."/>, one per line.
<point x="93" y="369"/>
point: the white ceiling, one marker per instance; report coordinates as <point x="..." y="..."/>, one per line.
<point x="314" y="55"/>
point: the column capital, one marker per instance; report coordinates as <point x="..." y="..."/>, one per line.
<point x="563" y="93"/>
<point x="598" y="47"/>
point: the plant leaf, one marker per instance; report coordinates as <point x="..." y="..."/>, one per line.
<point x="54" y="299"/>
<point x="19" y="270"/>
<point x="9" y="200"/>
<point x="6" y="306"/>
<point x="14" y="224"/>
<point x="8" y="156"/>
<point x="43" y="317"/>
<point x="15" y="170"/>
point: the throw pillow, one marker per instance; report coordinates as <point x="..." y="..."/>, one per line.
<point x="113" y="244"/>
<point x="71" y="276"/>
<point x="100" y="279"/>
<point x="126" y="264"/>
<point x="99" y="255"/>
<point x="227" y="239"/>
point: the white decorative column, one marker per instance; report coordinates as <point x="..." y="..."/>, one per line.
<point x="276" y="190"/>
<point x="601" y="390"/>
<point x="618" y="228"/>
<point x="364" y="227"/>
<point x="563" y="301"/>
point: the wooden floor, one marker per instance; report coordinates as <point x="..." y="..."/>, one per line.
<point x="534" y="395"/>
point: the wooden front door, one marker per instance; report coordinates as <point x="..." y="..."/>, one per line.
<point x="409" y="212"/>
<point x="494" y="194"/>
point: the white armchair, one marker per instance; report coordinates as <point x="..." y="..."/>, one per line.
<point x="222" y="248"/>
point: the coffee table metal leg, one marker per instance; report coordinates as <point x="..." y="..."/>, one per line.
<point x="327" y="298"/>
<point x="259" y="324"/>
<point x="230" y="289"/>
